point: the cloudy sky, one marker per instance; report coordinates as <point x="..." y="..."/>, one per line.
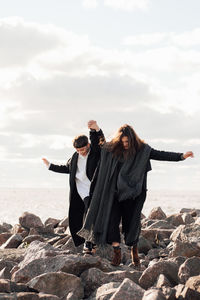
<point x="64" y="62"/>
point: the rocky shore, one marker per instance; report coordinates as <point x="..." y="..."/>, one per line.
<point x="39" y="261"/>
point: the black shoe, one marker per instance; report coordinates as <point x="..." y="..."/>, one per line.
<point x="87" y="248"/>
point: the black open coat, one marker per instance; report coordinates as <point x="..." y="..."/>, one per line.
<point x="96" y="223"/>
<point x="76" y="204"/>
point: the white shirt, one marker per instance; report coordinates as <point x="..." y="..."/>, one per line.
<point x="82" y="181"/>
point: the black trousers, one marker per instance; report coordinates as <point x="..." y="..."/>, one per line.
<point x="129" y="212"/>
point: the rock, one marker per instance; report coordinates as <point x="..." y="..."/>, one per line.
<point x="105" y="291"/>
<point x="184" y="292"/>
<point x="5" y="296"/>
<point x="170" y="293"/>
<point x="4" y="237"/>
<point x="187" y="249"/>
<point x="154" y="253"/>
<point x="43" y="296"/>
<point x="162" y="281"/>
<point x="94" y="278"/>
<point x="33" y="231"/>
<point x="5" y="227"/>
<point x="191" y="267"/>
<point x="144" y="245"/>
<point x="15" y="255"/>
<point x="194" y="212"/>
<point x="7" y="286"/>
<point x="197" y="221"/>
<point x="38" y="250"/>
<point x="47" y="230"/>
<point x="6" y="267"/>
<point x="5" y="274"/>
<point x="17" y="228"/>
<point x="161" y="224"/>
<point x="31" y="238"/>
<point x="157" y="213"/>
<point x="168" y="268"/>
<point x="72" y="264"/>
<point x="153" y="294"/>
<point x="28" y="220"/>
<point x="187" y="233"/>
<point x="71" y="296"/>
<point x="60" y="230"/>
<point x="146" y="222"/>
<point x="155" y="234"/>
<point x="52" y="221"/>
<point x="64" y="223"/>
<point x="187" y="218"/>
<point x="179" y="260"/>
<point x="61" y="241"/>
<point x="128" y="290"/>
<point x="13" y="242"/>
<point x="175" y="219"/>
<point x="55" y="239"/>
<point x="59" y="284"/>
<point x="69" y="245"/>
<point x="194" y="283"/>
<point x="27" y="296"/>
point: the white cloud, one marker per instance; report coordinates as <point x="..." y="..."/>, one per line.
<point x="21" y="41"/>
<point x="145" y="39"/>
<point x="185" y="39"/>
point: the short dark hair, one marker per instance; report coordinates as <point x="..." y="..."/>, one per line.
<point x="80" y="141"/>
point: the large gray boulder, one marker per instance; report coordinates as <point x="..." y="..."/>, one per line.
<point x="154" y="294"/>
<point x="128" y="290"/>
<point x="150" y="275"/>
<point x="13" y="242"/>
<point x="29" y="220"/>
<point x="186" y="293"/>
<point x="105" y="291"/>
<point x="94" y="278"/>
<point x="72" y="264"/>
<point x="187" y="233"/>
<point x="58" y="283"/>
<point x="194" y="283"/>
<point x="184" y="248"/>
<point x="175" y="219"/>
<point x="157" y="214"/>
<point x="191" y="267"/>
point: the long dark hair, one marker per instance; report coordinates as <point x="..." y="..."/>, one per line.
<point x="116" y="146"/>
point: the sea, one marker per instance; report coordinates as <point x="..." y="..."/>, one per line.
<point x="54" y="203"/>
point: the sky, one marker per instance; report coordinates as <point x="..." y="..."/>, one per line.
<point x="65" y="62"/>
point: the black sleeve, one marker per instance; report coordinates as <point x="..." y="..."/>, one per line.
<point x="165" y="156"/>
<point x="96" y="138"/>
<point x="61" y="168"/>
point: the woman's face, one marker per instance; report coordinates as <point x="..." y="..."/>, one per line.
<point x="125" y="142"/>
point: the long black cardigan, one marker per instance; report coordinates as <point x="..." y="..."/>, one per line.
<point x="76" y="205"/>
<point x="97" y="219"/>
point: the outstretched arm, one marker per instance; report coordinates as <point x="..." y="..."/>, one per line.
<point x="58" y="168"/>
<point x="169" y="156"/>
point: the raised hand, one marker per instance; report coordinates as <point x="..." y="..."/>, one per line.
<point x="92" y="124"/>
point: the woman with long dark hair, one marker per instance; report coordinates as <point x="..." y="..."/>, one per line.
<point x="120" y="191"/>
